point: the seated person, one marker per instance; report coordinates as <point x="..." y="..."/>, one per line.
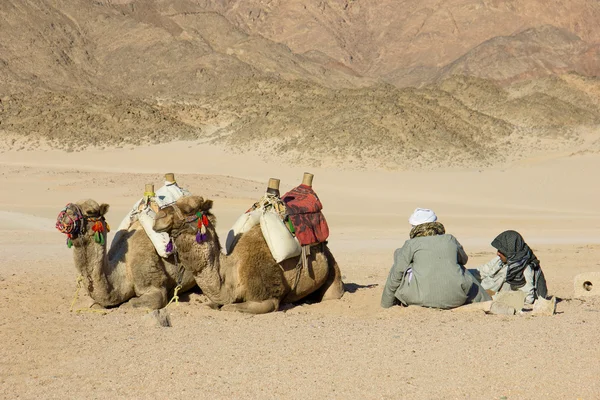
<point x="429" y="269"/>
<point x="514" y="268"/>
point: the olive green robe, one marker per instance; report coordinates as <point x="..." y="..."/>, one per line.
<point x="429" y="271"/>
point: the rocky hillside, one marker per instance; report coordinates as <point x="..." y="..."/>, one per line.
<point x="408" y="42"/>
<point x="392" y="85"/>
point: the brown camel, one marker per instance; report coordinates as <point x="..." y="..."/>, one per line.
<point x="248" y="280"/>
<point x="131" y="271"/>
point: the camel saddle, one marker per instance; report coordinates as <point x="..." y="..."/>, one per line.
<point x="304" y="210"/>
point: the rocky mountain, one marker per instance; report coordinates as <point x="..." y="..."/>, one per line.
<point x="411" y="84"/>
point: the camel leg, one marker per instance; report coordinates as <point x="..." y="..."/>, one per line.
<point x="153" y="299"/>
<point x="333" y="288"/>
<point x="253" y="307"/>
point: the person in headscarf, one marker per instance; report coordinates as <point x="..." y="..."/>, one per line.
<point x="429" y="270"/>
<point x="515" y="267"/>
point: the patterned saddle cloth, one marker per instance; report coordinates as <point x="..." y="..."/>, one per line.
<point x="304" y="210"/>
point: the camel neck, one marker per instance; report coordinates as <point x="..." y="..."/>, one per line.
<point x="92" y="262"/>
<point x="206" y="262"/>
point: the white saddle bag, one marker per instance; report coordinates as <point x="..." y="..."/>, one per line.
<point x="242" y="225"/>
<point x="281" y="242"/>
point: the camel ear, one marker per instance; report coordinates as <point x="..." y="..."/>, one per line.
<point x="104" y="208"/>
<point x="206" y="205"/>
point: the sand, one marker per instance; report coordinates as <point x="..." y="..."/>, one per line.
<point x="348" y="348"/>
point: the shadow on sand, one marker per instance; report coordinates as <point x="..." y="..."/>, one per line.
<point x="353" y="287"/>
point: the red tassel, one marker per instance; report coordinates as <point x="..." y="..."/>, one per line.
<point x="204" y="220"/>
<point x="98" y="227"/>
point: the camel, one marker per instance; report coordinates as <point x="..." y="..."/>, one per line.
<point x="248" y="280"/>
<point x="131" y="271"/>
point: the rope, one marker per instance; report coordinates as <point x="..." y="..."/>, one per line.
<point x="179" y="281"/>
<point x="175" y="297"/>
<point x="75" y="223"/>
<point x="301" y="264"/>
<point x="270" y="201"/>
<point x="79" y="280"/>
<point x="297" y="279"/>
<point x="303" y="261"/>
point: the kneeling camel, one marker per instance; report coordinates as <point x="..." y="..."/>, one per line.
<point x="131" y="271"/>
<point x="248" y="280"/>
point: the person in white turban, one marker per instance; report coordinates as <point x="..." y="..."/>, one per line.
<point x="422" y="216"/>
<point x="429" y="269"/>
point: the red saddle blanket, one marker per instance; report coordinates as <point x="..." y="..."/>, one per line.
<point x="304" y="209"/>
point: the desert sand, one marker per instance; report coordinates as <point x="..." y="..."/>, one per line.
<point x="348" y="348"/>
<point x="486" y="111"/>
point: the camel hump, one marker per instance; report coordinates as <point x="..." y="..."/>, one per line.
<point x="252" y="242"/>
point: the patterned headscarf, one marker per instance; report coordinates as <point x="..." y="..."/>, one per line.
<point x="427" y="229"/>
<point x="512" y="245"/>
<point x="518" y="256"/>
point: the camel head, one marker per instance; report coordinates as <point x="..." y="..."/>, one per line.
<point x="187" y="214"/>
<point x="83" y="218"/>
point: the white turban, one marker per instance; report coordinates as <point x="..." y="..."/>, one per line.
<point x="421" y="216"/>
